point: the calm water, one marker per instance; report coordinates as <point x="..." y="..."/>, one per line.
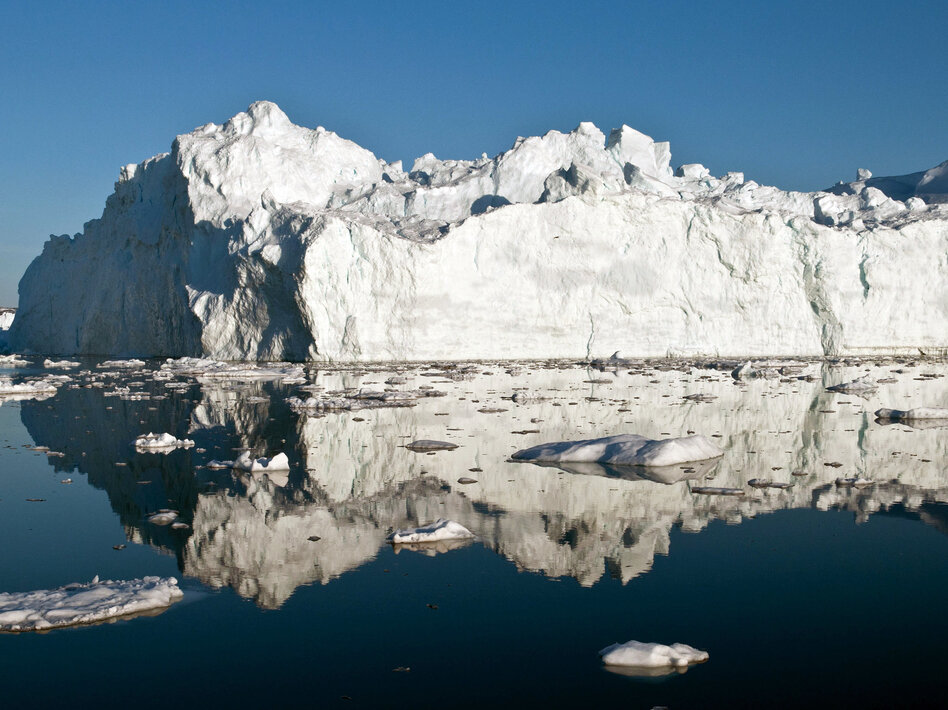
<point x="815" y="595"/>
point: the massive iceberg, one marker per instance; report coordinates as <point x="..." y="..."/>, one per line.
<point x="260" y="239"/>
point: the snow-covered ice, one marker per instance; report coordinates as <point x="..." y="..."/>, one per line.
<point x="90" y="603"/>
<point x="652" y="655"/>
<point x="624" y="449"/>
<point x="437" y="531"/>
<point x="162" y="442"/>
<point x="27" y="390"/>
<point x="246" y="462"/>
<point x="261" y="240"/>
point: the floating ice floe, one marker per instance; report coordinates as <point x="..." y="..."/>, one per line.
<point x="437" y="531"/>
<point x="60" y="363"/>
<point x="13" y="361"/>
<point x="854" y="482"/>
<point x="216" y="465"/>
<point x="162" y="442"/>
<point x="717" y="491"/>
<point x="767" y="483"/>
<point x="355" y="401"/>
<point x="861" y="385"/>
<point x="430" y="445"/>
<point x="132" y="364"/>
<point x="245" y="462"/>
<point x="39" y="389"/>
<point x="90" y="603"/>
<point x="918" y="413"/>
<point x="163" y="517"/>
<point x="216" y="369"/>
<point x="625" y="449"/>
<point x="636" y="654"/>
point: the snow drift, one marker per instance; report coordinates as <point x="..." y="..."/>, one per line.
<point x="260" y="239"/>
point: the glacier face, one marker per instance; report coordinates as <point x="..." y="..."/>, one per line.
<point x="259" y="239"/>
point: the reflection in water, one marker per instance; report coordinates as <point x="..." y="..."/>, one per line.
<point x="352" y="480"/>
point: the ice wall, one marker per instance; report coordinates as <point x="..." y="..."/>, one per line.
<point x="259" y="239"/>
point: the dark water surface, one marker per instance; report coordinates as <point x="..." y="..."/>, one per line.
<point x="814" y="596"/>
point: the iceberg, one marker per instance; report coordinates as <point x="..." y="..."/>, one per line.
<point x="90" y="603"/>
<point x="261" y="240"/>
<point x="624" y="449"/>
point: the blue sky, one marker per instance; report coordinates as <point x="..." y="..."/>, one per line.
<point x="796" y="94"/>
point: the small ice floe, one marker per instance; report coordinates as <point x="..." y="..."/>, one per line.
<point x="860" y="386"/>
<point x="717" y="491"/>
<point x="430" y="445"/>
<point x="163" y="517"/>
<point x="47" y="363"/>
<point x="13" y="361"/>
<point x="858" y="482"/>
<point x="527" y="398"/>
<point x="131" y="364"/>
<point x="245" y="462"/>
<point x="767" y="483"/>
<point x="466" y="480"/>
<point x="217" y="465"/>
<point x="919" y="413"/>
<point x="437" y="531"/>
<point x="747" y="371"/>
<point x="161" y="443"/>
<point x="218" y="370"/>
<point x="178" y="525"/>
<point x="396" y="380"/>
<point x="625" y="449"/>
<point x="648" y="658"/>
<point x="613" y="361"/>
<point x="91" y="603"/>
<point x="700" y="397"/>
<point x="37" y="389"/>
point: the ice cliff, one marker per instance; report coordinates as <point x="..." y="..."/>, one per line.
<point x="260" y="239"/>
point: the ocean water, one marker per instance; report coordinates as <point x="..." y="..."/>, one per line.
<point x="814" y="595"/>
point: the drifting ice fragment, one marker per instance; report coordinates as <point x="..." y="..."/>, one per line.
<point x="652" y="655"/>
<point x="161" y="442"/>
<point x="245" y="462"/>
<point x="435" y="532"/>
<point x="912" y="414"/>
<point x="85" y="603"/>
<point x="430" y="445"/>
<point x="625" y="449"/>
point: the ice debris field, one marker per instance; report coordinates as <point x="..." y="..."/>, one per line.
<point x="259" y="239"/>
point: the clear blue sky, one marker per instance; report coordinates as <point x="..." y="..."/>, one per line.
<point x="796" y="94"/>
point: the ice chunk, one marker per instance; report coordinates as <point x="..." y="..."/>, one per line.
<point x="85" y="603"/>
<point x="625" y="449"/>
<point x="912" y="414"/>
<point x="132" y="364"/>
<point x="430" y="445"/>
<point x="652" y="655"/>
<point x="161" y="442"/>
<point x="437" y="531"/>
<point x="861" y="385"/>
<point x="245" y="462"/>
<point x="47" y="363"/>
<point x="38" y="389"/>
<point x="13" y="361"/>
